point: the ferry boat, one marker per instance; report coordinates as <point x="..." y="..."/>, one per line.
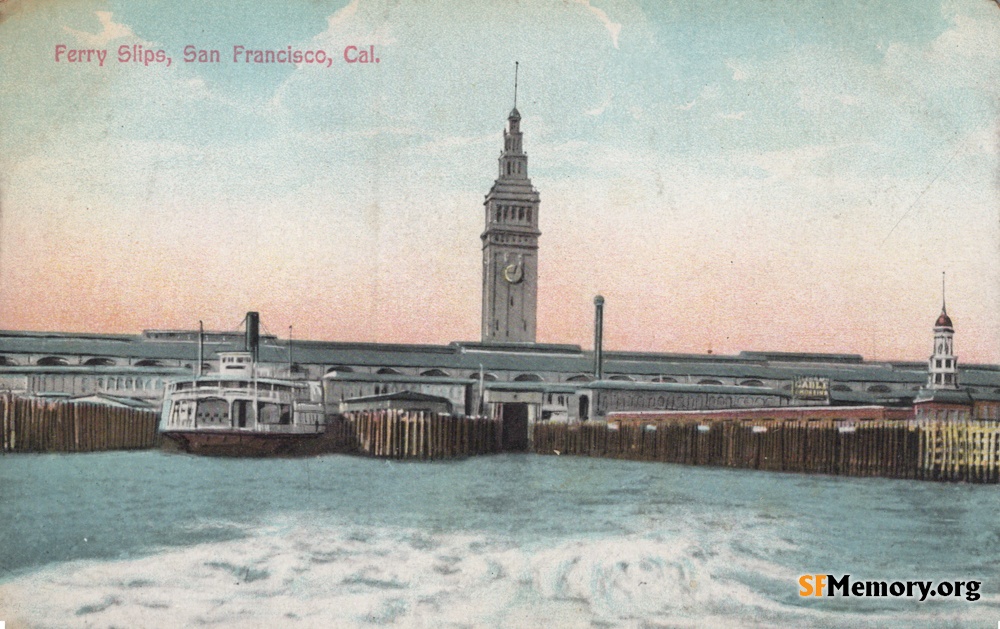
<point x="247" y="408"/>
<point x="243" y="411"/>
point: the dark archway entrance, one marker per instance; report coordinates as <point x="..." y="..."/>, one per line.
<point x="514" y="427"/>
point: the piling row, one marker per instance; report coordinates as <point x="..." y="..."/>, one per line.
<point x="962" y="451"/>
<point x="968" y="451"/>
<point x="339" y="436"/>
<point x="420" y="435"/>
<point x="31" y="425"/>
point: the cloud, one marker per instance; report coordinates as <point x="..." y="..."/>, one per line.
<point x="354" y="22"/>
<point x="613" y="27"/>
<point x="968" y="39"/>
<point x="738" y="73"/>
<point x="733" y="116"/>
<point x="344" y="14"/>
<point x="110" y="31"/>
<point x="446" y="145"/>
<point x="791" y="162"/>
<point x="686" y="107"/>
<point x="600" y="109"/>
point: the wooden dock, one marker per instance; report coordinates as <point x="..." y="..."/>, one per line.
<point x="967" y="451"/>
<point x="956" y="451"/>
<point x="31" y="425"/>
<point x="423" y="436"/>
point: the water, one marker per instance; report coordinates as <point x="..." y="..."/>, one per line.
<point x="159" y="540"/>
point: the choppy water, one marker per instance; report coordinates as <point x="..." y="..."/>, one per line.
<point x="157" y="540"/>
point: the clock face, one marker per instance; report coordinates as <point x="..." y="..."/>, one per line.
<point x="514" y="273"/>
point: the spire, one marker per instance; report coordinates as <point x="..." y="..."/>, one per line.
<point x="943" y="320"/>
<point x="514" y="113"/>
<point x="513" y="161"/>
<point x="944" y="308"/>
<point x="516" y="64"/>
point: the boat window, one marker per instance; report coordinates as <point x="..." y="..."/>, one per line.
<point x="212" y="411"/>
<point x="275" y="414"/>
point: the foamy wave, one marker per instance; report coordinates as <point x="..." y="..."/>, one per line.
<point x="313" y="574"/>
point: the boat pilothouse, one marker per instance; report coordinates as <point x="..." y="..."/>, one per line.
<point x="246" y="408"/>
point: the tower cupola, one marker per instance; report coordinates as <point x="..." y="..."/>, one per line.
<point x="942" y="370"/>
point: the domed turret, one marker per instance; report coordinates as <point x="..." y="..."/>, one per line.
<point x="943" y="321"/>
<point x="942" y="369"/>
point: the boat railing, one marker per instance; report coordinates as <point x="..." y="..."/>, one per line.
<point x="293" y="429"/>
<point x="274" y="429"/>
<point x="262" y="394"/>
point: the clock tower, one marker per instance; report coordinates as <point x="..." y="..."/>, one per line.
<point x="510" y="245"/>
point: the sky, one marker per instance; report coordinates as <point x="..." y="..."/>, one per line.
<point x="744" y="175"/>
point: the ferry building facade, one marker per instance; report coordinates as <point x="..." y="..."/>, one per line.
<point x="506" y="373"/>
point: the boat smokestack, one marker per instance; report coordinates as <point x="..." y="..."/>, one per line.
<point x="252" y="344"/>
<point x="599" y="337"/>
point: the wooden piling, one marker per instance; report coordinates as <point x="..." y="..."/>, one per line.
<point x="967" y="451"/>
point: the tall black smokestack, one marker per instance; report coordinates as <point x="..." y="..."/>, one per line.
<point x="253" y="334"/>
<point x="599" y="337"/>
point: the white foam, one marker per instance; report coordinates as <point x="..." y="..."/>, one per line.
<point x="300" y="572"/>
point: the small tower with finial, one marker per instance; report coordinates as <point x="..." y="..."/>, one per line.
<point x="942" y="370"/>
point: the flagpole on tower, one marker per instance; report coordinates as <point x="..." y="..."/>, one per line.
<point x="515" y="84"/>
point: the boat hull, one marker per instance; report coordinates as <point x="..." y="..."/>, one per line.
<point x="248" y="444"/>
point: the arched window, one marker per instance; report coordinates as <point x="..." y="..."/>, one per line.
<point x="708" y="381"/>
<point x="582" y="377"/>
<point x="437" y="373"/>
<point x="879" y="388"/>
<point x="99" y="361"/>
<point x="341" y="369"/>
<point x="389" y="371"/>
<point x="52" y="361"/>
<point x="751" y="383"/>
<point x="148" y="362"/>
<point x="528" y="377"/>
